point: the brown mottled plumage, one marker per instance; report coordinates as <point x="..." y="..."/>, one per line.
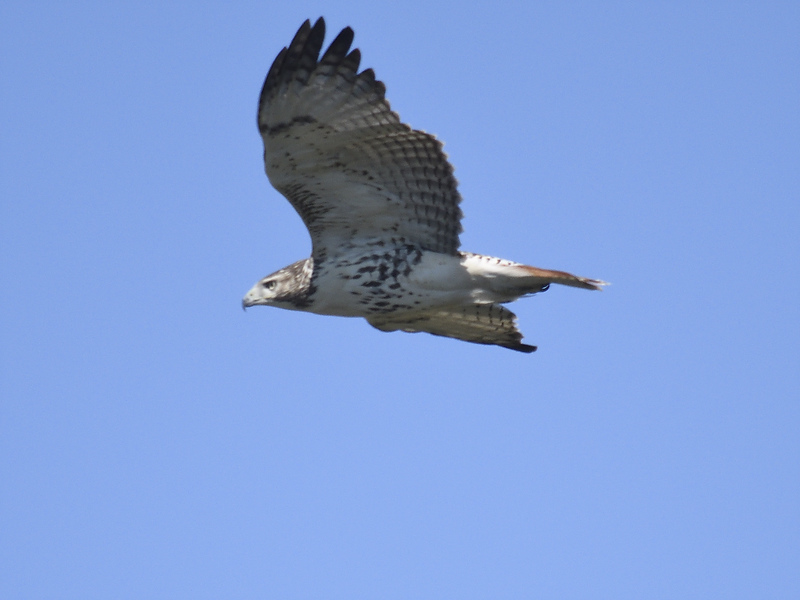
<point x="382" y="207"/>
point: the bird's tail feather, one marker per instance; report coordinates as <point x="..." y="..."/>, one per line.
<point x="542" y="277"/>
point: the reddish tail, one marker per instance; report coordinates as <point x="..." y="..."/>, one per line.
<point x="545" y="277"/>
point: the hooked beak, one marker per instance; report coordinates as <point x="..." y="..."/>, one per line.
<point x="248" y="301"/>
<point x="251" y="298"/>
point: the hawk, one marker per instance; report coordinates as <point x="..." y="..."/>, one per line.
<point x="381" y="204"/>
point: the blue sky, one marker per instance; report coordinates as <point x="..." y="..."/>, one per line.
<point x="157" y="442"/>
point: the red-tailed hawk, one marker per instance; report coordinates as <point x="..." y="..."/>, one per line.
<point x="382" y="207"/>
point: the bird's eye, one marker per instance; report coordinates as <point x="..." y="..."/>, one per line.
<point x="270" y="285"/>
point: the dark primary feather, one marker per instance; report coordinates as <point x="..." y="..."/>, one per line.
<point x="298" y="60"/>
<point x="351" y="169"/>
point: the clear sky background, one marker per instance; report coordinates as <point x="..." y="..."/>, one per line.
<point x="157" y="442"/>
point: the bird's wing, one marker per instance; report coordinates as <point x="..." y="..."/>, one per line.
<point x="479" y="323"/>
<point x="350" y="168"/>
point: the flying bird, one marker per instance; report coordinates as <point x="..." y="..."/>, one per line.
<point x="381" y="204"/>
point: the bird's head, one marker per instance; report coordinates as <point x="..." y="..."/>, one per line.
<point x="285" y="288"/>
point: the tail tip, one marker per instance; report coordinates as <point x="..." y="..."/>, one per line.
<point x="594" y="284"/>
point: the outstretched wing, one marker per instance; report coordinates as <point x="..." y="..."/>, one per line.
<point x="478" y="323"/>
<point x="344" y="160"/>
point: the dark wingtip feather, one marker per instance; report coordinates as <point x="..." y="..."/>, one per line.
<point x="304" y="48"/>
<point x="352" y="61"/>
<point x="317" y="34"/>
<point x="339" y="47"/>
<point x="523" y="348"/>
